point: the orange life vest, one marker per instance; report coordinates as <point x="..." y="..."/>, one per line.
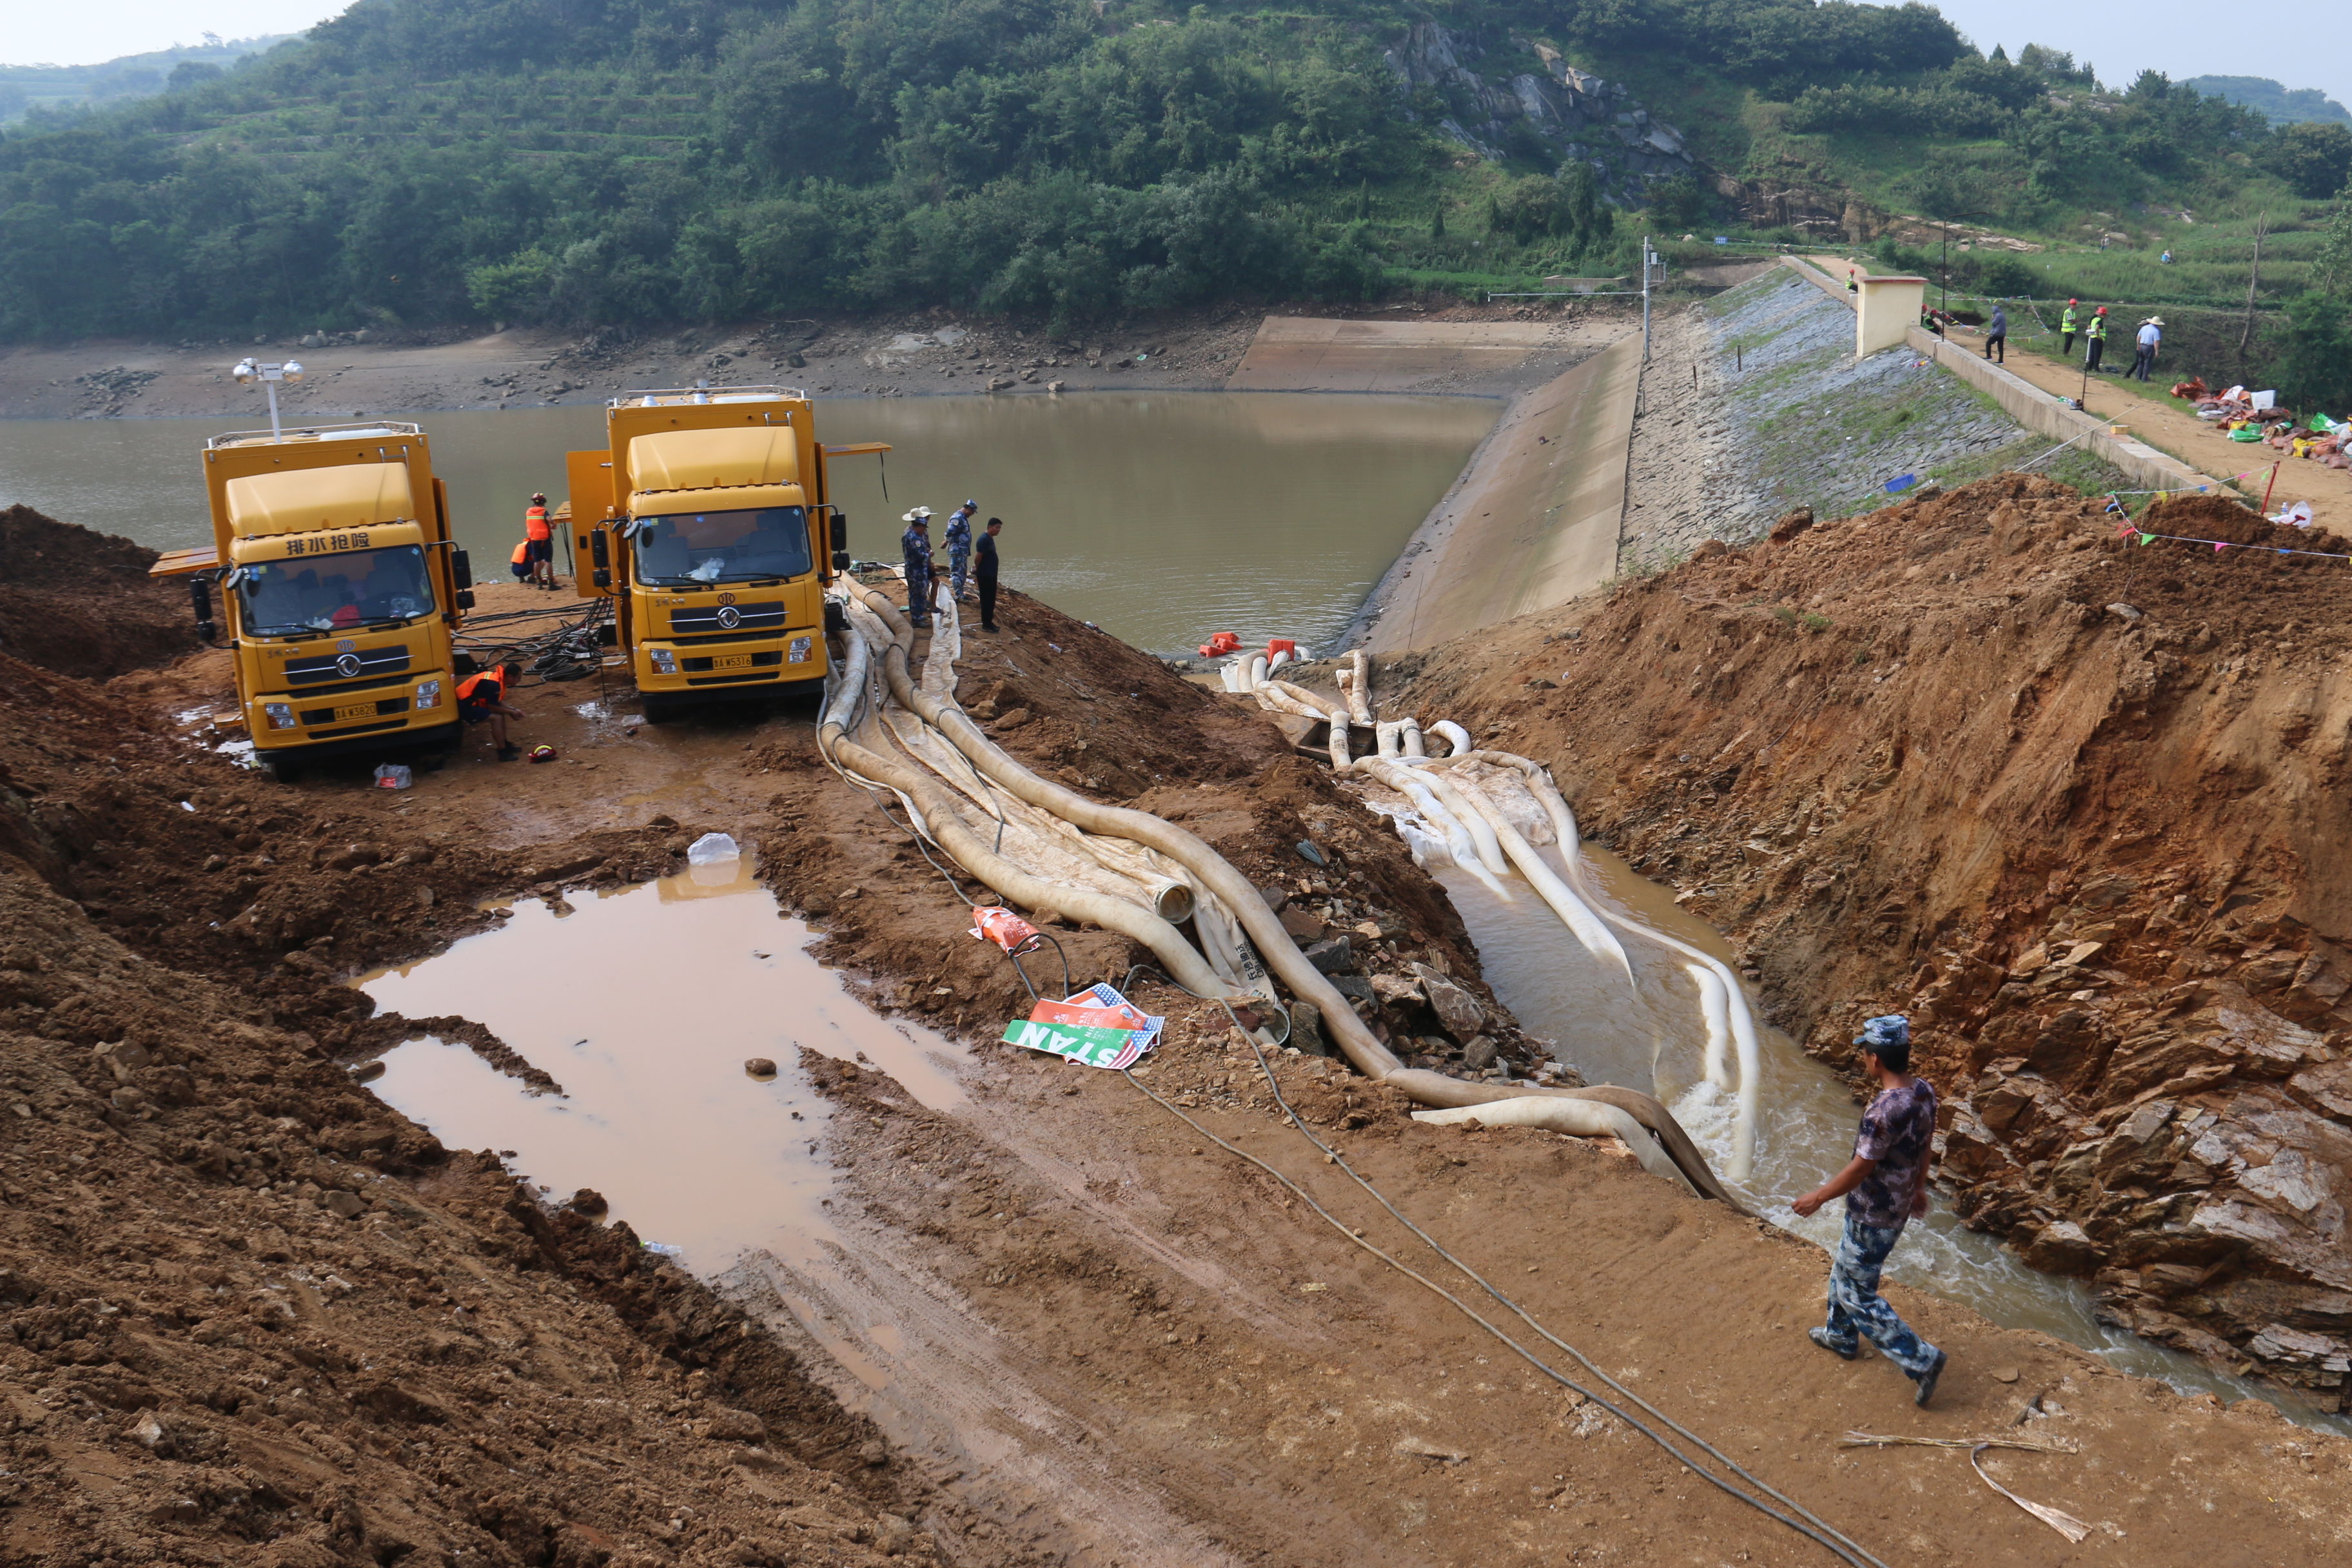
<point x="522" y="554"/>
<point x="534" y="523"/>
<point x="466" y="687"/>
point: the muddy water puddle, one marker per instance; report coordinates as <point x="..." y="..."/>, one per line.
<point x="645" y="1004"/>
<point x="1651" y="1038"/>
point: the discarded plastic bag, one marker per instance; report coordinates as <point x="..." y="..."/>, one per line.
<point x="1001" y="926"/>
<point x="394" y="776"/>
<point x="710" y="850"/>
<point x="2295" y="516"/>
<point x="2263" y="400"/>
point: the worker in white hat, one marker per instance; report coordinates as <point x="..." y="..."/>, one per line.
<point x="916" y="544"/>
<point x="2151" y="334"/>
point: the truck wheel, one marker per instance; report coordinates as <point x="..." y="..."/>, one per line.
<point x="282" y="770"/>
<point x="660" y="710"/>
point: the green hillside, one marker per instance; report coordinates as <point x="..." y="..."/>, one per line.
<point x="426" y="163"/>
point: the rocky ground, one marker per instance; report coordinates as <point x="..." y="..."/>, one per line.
<point x="255" y="1316"/>
<point x="1754" y="405"/>
<point x="2072" y="802"/>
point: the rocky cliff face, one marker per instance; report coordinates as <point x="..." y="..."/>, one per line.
<point x="2074" y="803"/>
<point x="1498" y="109"/>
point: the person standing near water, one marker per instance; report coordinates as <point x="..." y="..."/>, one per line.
<point x="959" y="543"/>
<point x="541" y="537"/>
<point x="987" y="573"/>
<point x="915" y="545"/>
<point x="1885" y="1187"/>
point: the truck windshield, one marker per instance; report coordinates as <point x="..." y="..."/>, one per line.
<point x="333" y="593"/>
<point x="696" y="547"/>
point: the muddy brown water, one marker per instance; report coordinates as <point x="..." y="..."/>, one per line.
<point x="645" y="1004"/>
<point x="1162" y="517"/>
<point x="1651" y="1037"/>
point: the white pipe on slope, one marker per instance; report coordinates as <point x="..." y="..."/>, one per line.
<point x="1358" y="688"/>
<point x="1742" y="1018"/>
<point x="1459" y="845"/>
<point x="1581" y="1119"/>
<point x="1409" y="737"/>
<point x="1216" y="875"/>
<point x="1491" y="853"/>
<point x="1597" y="938"/>
<point x="1453" y="734"/>
<point x="1717" y="1009"/>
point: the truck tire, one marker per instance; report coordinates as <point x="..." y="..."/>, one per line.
<point x="282" y="770"/>
<point x="660" y="710"/>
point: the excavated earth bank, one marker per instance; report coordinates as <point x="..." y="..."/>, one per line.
<point x="2074" y="803"/>
<point x="254" y="1316"/>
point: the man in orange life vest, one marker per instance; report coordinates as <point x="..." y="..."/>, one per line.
<point x="541" y="539"/>
<point x="481" y="698"/>
<point x="520" y="562"/>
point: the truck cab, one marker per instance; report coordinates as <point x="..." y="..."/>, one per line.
<point x="706" y="519"/>
<point x="340" y="588"/>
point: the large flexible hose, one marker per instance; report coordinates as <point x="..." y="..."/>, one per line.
<point x="1581" y="1118"/>
<point x="1217" y="877"/>
<point x="1414" y="786"/>
<point x="1597" y="938"/>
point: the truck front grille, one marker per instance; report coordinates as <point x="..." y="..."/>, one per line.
<point x="366" y="665"/>
<point x="765" y="616"/>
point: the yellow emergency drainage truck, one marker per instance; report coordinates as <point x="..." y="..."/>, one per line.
<point x="706" y="519"/>
<point x="340" y="589"/>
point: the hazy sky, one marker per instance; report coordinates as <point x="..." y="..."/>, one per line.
<point x="2121" y="38"/>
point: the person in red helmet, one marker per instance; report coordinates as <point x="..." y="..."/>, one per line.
<point x="2097" y="335"/>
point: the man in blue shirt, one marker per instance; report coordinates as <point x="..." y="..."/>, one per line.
<point x="2151" y="333"/>
<point x="1885" y="1187"/>
<point x="916" y="546"/>
<point x="959" y="543"/>
<point x="1997" y="334"/>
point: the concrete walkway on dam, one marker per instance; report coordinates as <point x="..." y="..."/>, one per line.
<point x="1532" y="522"/>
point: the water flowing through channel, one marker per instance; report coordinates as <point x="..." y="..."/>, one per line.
<point x="1652" y="1041"/>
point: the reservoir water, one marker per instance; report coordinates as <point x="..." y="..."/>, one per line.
<point x="1162" y="517"/>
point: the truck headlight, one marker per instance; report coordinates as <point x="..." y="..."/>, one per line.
<point x="665" y="661"/>
<point x="798" y="653"/>
<point x="428" y="694"/>
<point x="281" y="714"/>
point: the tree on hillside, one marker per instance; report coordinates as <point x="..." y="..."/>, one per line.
<point x="2315" y="158"/>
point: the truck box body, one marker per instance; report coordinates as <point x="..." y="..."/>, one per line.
<point x="707" y="519"/>
<point x="340" y="587"/>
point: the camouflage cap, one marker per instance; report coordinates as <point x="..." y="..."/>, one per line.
<point x="1886" y="1029"/>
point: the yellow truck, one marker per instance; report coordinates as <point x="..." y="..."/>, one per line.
<point x="706" y="519"/>
<point x="341" y="586"/>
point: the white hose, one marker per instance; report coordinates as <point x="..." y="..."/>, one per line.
<point x="1742" y="1018"/>
<point x="1385" y="736"/>
<point x="1338" y="742"/>
<point x="1597" y="938"/>
<point x="1408" y="738"/>
<point x="1358" y="687"/>
<point x="1717" y="1009"/>
<point x="1491" y="853"/>
<point x="1578" y="1118"/>
<point x="1453" y="735"/>
<point x="1254" y="672"/>
<point x="1414" y="786"/>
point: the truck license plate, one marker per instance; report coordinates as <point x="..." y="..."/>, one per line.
<point x="731" y="661"/>
<point x="356" y="711"/>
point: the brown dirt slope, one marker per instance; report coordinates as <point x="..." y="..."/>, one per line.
<point x="81" y="602"/>
<point x="2074" y="803"/>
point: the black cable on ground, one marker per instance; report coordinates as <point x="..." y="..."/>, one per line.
<point x="1826" y="1535"/>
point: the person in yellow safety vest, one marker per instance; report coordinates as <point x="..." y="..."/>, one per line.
<point x="520" y="562"/>
<point x="1852" y="284"/>
<point x="2066" y="327"/>
<point x="481" y="698"/>
<point x="2096" y="333"/>
<point x="542" y="539"/>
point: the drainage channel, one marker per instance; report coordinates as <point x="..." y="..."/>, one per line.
<point x="1805" y="1129"/>
<point x="645" y="1004"/>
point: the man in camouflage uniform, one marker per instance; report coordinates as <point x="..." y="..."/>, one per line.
<point x="916" y="543"/>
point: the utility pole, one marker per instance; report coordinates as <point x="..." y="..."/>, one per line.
<point x="2253" y="282"/>
<point x="1646" y="299"/>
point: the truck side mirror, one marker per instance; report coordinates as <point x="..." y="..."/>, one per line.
<point x="464" y="598"/>
<point x="841" y="541"/>
<point x="601" y="577"/>
<point x="461" y="570"/>
<point x="600" y="554"/>
<point x="200" y="593"/>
